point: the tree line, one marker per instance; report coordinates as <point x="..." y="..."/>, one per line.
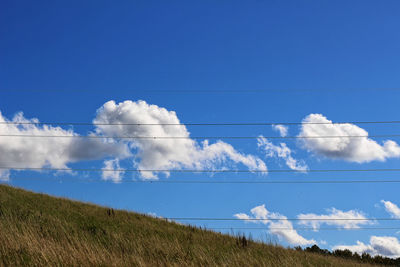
<point x="347" y="254"/>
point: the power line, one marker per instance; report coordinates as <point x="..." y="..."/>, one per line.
<point x="280" y="219"/>
<point x="196" y="171"/>
<point x="99" y="180"/>
<point x="199" y="124"/>
<point x="159" y="91"/>
<point x="274" y="182"/>
<point x="198" y="137"/>
<point x="267" y="90"/>
<point x="303" y="228"/>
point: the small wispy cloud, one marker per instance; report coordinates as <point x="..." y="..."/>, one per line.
<point x="335" y="217"/>
<point x="282" y="129"/>
<point x="282" y="151"/>
<point x="391" y="208"/>
<point x="112" y="170"/>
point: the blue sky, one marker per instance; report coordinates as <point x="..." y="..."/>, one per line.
<point x="211" y="62"/>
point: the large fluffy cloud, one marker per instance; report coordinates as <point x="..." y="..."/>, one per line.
<point x="335" y="217"/>
<point x="378" y="245"/>
<point x="360" y="149"/>
<point x="391" y="208"/>
<point x="38" y="152"/>
<point x="277" y="224"/>
<point x="281" y="151"/>
<point x="167" y="152"/>
<point x="164" y="153"/>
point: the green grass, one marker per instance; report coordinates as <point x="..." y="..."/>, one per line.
<point x="38" y="230"/>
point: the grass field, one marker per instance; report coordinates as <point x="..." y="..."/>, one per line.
<point x="37" y="229"/>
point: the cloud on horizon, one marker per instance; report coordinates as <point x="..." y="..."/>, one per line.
<point x="387" y="246"/>
<point x="277" y="225"/>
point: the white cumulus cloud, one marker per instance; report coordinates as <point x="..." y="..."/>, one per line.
<point x="277" y="225"/>
<point x="387" y="246"/>
<point x="281" y="151"/>
<point x="360" y="149"/>
<point x="335" y="217"/>
<point x="167" y="153"/>
<point x="391" y="208"/>
<point x="55" y="152"/>
<point x="164" y="153"/>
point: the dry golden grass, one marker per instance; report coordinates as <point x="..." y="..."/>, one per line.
<point x="39" y="230"/>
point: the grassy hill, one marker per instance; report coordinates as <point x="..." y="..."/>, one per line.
<point x="37" y="229"/>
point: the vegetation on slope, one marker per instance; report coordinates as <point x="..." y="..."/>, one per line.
<point x="37" y="229"/>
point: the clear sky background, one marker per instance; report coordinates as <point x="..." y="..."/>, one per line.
<point x="213" y="62"/>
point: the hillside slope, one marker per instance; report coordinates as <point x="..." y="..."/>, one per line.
<point x="37" y="229"/>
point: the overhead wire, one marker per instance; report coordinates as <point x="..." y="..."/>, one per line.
<point x="303" y="228"/>
<point x="277" y="219"/>
<point x="100" y="180"/>
<point x="197" y="171"/>
<point x="198" y="124"/>
<point x="197" y="137"/>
